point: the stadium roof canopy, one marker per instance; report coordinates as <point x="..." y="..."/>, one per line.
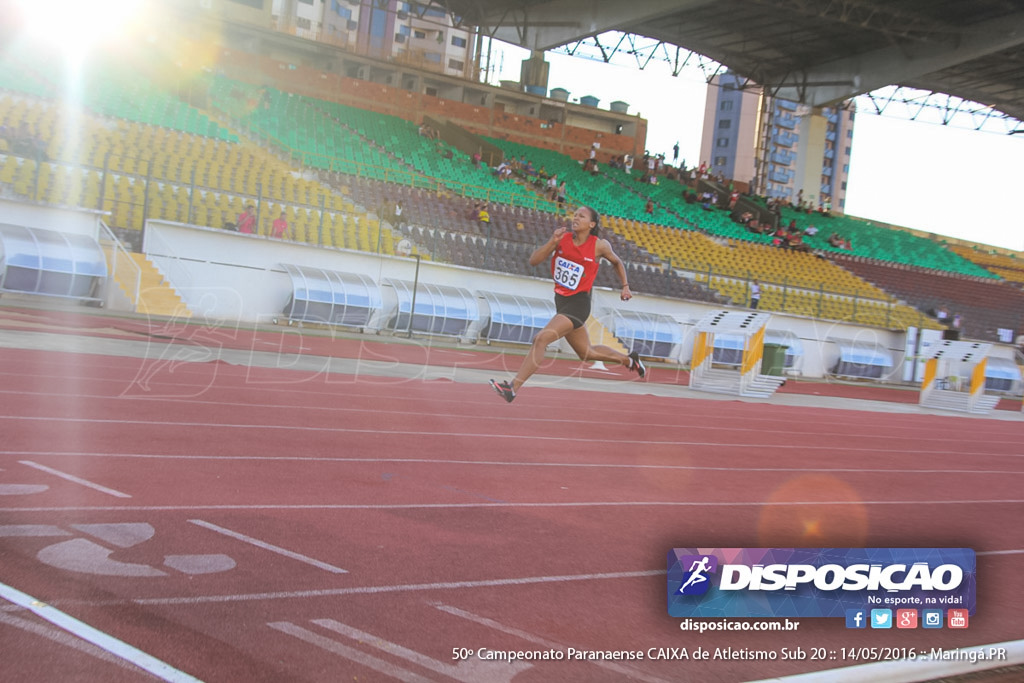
<point x="813" y="51"/>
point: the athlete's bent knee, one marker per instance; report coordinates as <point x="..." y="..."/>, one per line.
<point x="544" y="339"/>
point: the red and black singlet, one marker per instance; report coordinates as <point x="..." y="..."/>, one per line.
<point x="574" y="267"/>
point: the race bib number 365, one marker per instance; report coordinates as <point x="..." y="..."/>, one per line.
<point x="568" y="273"/>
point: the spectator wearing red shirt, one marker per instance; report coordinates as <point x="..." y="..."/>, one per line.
<point x="280" y="227"/>
<point x="247" y="220"/>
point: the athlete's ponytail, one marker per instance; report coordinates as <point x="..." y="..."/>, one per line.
<point x="596" y="217"/>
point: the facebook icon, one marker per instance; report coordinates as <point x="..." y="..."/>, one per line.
<point x="856" y="618"/>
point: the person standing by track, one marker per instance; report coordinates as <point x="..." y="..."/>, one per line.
<point x="575" y="254"/>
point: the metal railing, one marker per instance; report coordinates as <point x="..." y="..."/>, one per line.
<point x="124" y="271"/>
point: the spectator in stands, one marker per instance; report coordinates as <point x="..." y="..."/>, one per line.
<point x="25" y="142"/>
<point x="628" y="164"/>
<point x="484" y="215"/>
<point x="247" y="220"/>
<point x="733" y="198"/>
<point x="835" y="240"/>
<point x="796" y="242"/>
<point x="958" y="322"/>
<point x="397" y="217"/>
<point x="477" y="158"/>
<point x="552" y="191"/>
<point x="811" y="231"/>
<point x="575" y="255"/>
<point x="942" y="314"/>
<point x="280" y="227"/>
<point x="755" y="294"/>
<point x="649" y="207"/>
<point x="560" y="197"/>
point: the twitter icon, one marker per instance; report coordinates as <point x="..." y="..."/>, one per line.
<point x="881" y="618"/>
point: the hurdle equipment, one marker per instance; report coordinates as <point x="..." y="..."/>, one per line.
<point x="947" y="364"/>
<point x="747" y="380"/>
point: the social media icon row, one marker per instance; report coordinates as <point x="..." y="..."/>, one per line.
<point x="905" y="618"/>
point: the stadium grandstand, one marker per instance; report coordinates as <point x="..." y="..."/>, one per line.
<point x="258" y="258"/>
<point x="334" y="153"/>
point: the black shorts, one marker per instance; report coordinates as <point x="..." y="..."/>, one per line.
<point x="576" y="308"/>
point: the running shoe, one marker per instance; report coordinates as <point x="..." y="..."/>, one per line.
<point x="636" y="364"/>
<point x="504" y="390"/>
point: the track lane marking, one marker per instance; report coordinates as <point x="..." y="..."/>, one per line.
<point x="697" y="424"/>
<point x="106" y="642"/>
<point x="482" y="435"/>
<point x="456" y="506"/>
<point x="632" y="673"/>
<point x="506" y="463"/>
<point x="369" y="661"/>
<point x="76" y="480"/>
<point x="267" y="546"/>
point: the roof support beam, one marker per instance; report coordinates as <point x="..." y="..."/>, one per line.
<point x="850" y="76"/>
<point x="551" y="24"/>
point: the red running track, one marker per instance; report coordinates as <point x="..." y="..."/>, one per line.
<point x="275" y="525"/>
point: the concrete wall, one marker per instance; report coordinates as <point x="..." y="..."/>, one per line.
<point x="46" y="217"/>
<point x="228" y="276"/>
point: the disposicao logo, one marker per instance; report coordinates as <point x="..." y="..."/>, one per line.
<point x="696" y="580"/>
<point x="817" y="582"/>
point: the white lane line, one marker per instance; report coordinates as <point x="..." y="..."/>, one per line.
<point x="458" y="506"/>
<point x="401" y="588"/>
<point x="902" y="431"/>
<point x="491" y="436"/>
<point x="509" y="463"/>
<point x="77" y="480"/>
<point x="267" y="546"/>
<point x="921" y="669"/>
<point x="333" y="646"/>
<point x="466" y="670"/>
<point x="98" y="638"/>
<point x="1001" y="552"/>
<point x="628" y="671"/>
<point x="66" y="639"/>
